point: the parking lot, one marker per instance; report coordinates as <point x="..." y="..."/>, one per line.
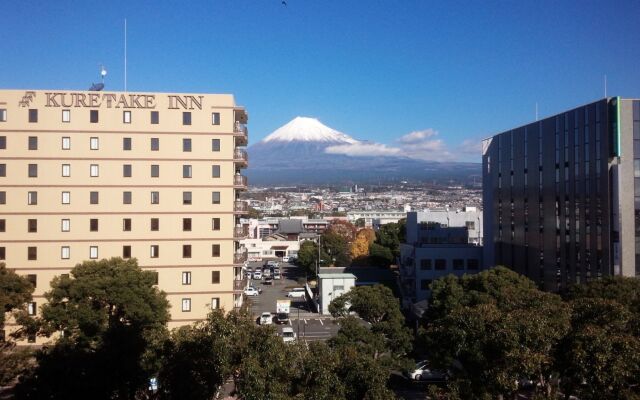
<point x="307" y="324"/>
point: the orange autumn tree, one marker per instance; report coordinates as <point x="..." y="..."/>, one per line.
<point x="360" y="246"/>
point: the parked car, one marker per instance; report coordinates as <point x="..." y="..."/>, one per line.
<point x="298" y="293"/>
<point x="257" y="275"/>
<point x="266" y="318"/>
<point x="266" y="273"/>
<point x="288" y="335"/>
<point x="272" y="263"/>
<point x="276" y="275"/>
<point x="248" y="274"/>
<point x="285" y="259"/>
<point x="422" y="372"/>
<point x="251" y="291"/>
<point x="268" y="281"/>
<point x="256" y="288"/>
<point x="282" y="317"/>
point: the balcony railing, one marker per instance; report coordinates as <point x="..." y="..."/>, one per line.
<point x="240" y="232"/>
<point x="240" y="155"/>
<point x="240" y="180"/>
<point x="240" y="206"/>
<point x="240" y="284"/>
<point x="240" y="257"/>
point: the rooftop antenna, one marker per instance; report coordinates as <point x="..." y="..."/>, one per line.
<point x="125" y="54"/>
<point x="96" y="87"/>
<point x="605" y="85"/>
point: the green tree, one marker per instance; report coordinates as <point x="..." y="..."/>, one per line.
<point x="308" y="256"/>
<point x="15" y="292"/>
<point x="109" y="314"/>
<point x="391" y="235"/>
<point x="337" y="249"/>
<point x="496" y="327"/>
<point x="318" y="377"/>
<point x="380" y="255"/>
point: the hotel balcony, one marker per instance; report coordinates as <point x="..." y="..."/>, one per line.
<point x="241" y="134"/>
<point x="240" y="256"/>
<point x="240" y="232"/>
<point x="239" y="284"/>
<point x="241" y="158"/>
<point x="240" y="181"/>
<point x="240" y="207"/>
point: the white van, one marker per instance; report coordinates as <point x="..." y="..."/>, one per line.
<point x="298" y="293"/>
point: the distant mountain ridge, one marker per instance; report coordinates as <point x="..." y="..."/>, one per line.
<point x="296" y="154"/>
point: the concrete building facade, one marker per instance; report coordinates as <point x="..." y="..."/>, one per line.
<point x="562" y="195"/>
<point x="151" y="176"/>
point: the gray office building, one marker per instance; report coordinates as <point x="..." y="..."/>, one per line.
<point x="562" y="195"/>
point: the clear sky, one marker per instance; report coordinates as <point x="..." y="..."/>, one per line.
<point x="450" y="72"/>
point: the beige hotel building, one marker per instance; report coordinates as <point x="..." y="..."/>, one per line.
<point x="155" y="176"/>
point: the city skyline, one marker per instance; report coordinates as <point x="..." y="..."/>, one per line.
<point x="376" y="71"/>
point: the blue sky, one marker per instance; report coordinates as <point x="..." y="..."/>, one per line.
<point x="449" y="72"/>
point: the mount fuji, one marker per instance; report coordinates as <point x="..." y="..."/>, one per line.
<point x="302" y="152"/>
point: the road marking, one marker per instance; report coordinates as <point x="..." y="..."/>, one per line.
<point x="305" y="321"/>
<point x="290" y="324"/>
<point x="321" y="323"/>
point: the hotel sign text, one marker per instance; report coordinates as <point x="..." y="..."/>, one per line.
<point x="127" y="101"/>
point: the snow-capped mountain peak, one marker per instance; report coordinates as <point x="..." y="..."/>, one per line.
<point x="305" y="129"/>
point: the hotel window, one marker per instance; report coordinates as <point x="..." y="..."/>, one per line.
<point x="156" y="276"/>
<point x="186" y="171"/>
<point x="3" y="253"/>
<point x="215" y="224"/>
<point x="93" y="252"/>
<point x="66" y="115"/>
<point x="186" y="224"/>
<point x="215" y="144"/>
<point x="186" y="251"/>
<point x="65" y="225"/>
<point x="126" y="143"/>
<point x="186" y="305"/>
<point x="93" y="197"/>
<point x="215" y="171"/>
<point x="93" y="170"/>
<point x="215" y="276"/>
<point x="33" y="143"/>
<point x="65" y="252"/>
<point x="66" y="143"/>
<point x="186" y="198"/>
<point x="93" y="116"/>
<point x="33" y="170"/>
<point x="186" y="144"/>
<point x="186" y="278"/>
<point x="215" y="250"/>
<point x="215" y="303"/>
<point x="155" y="144"/>
<point x="3" y="197"/>
<point x="3" y="225"/>
<point x="32" y="225"/>
<point x="3" y="170"/>
<point x="155" y="117"/>
<point x="94" y="143"/>
<point x="441" y="264"/>
<point x="32" y="198"/>
<point x="424" y="284"/>
<point x="66" y="170"/>
<point x="126" y="197"/>
<point x="155" y="171"/>
<point x="215" y="118"/>
<point x="33" y="278"/>
<point x="425" y="264"/>
<point x="32" y="253"/>
<point x="186" y="118"/>
<point x="126" y="251"/>
<point x="31" y="308"/>
<point x="33" y="115"/>
<point x="93" y="225"/>
<point x="126" y="170"/>
<point x="126" y="224"/>
<point x="458" y="263"/>
<point x="3" y="142"/>
<point x="3" y="115"/>
<point x="472" y="263"/>
<point x="126" y="117"/>
<point x="215" y="197"/>
<point x="155" y="197"/>
<point x="155" y="224"/>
